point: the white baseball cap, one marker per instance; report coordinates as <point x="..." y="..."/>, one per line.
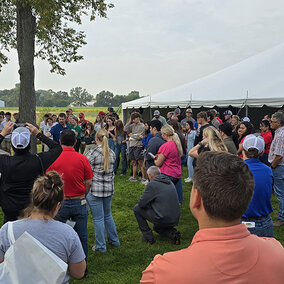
<point x="20" y="138"/>
<point x="254" y="142"/>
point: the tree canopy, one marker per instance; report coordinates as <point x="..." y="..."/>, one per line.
<point x="56" y="42"/>
<point x="42" y="28"/>
<point x="106" y="98"/>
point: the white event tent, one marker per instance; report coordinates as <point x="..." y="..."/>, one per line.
<point x="254" y="82"/>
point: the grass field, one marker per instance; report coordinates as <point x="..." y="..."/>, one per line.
<point x="124" y="264"/>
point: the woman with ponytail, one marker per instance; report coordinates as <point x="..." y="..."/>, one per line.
<point x="46" y="198"/>
<point x="102" y="160"/>
<point x="169" y="155"/>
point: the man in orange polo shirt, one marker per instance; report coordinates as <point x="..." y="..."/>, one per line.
<point x="223" y="250"/>
<point x="77" y="176"/>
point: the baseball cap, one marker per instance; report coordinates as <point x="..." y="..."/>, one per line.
<point x="177" y="111"/>
<point x="81" y="114"/>
<point x="156" y="112"/>
<point x="189" y="110"/>
<point x="228" y="112"/>
<point x="102" y="113"/>
<point x="20" y="138"/>
<point x="255" y="142"/>
<point x="246" y="119"/>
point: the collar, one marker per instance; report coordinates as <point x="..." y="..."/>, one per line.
<point x="279" y="129"/>
<point x="220" y="234"/>
<point x="252" y="161"/>
<point x="68" y="149"/>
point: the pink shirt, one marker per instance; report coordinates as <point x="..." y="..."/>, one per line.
<point x="172" y="163"/>
<point x="220" y="255"/>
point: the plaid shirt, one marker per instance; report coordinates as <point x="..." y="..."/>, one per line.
<point x="277" y="146"/>
<point x="102" y="183"/>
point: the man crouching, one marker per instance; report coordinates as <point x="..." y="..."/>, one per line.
<point x="159" y="205"/>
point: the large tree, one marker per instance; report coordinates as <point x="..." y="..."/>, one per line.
<point x="80" y="96"/>
<point x="40" y="28"/>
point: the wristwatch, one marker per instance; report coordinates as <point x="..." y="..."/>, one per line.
<point x="200" y="144"/>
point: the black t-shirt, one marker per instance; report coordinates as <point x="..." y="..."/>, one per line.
<point x="199" y="138"/>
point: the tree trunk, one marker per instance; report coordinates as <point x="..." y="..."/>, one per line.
<point x="26" y="27"/>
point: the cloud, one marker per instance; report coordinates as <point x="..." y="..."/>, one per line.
<point x="151" y="46"/>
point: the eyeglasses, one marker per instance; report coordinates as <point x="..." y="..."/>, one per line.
<point x="275" y="121"/>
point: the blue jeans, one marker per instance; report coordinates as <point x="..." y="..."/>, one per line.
<point x="102" y="218"/>
<point x="278" y="187"/>
<point x="76" y="210"/>
<point x="190" y="166"/>
<point x="120" y="148"/>
<point x="111" y="144"/>
<point x="179" y="190"/>
<point x="263" y="227"/>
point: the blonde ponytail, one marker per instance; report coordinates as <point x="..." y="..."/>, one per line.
<point x="102" y="136"/>
<point x="169" y="131"/>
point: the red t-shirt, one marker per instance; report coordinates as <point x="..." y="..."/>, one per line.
<point x="84" y="121"/>
<point x="75" y="169"/>
<point x="241" y="154"/>
<point x="267" y="136"/>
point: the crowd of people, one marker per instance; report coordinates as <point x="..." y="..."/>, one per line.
<point x="234" y="170"/>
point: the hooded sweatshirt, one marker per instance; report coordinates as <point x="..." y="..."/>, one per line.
<point x="161" y="196"/>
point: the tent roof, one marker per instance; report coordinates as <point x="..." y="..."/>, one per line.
<point x="256" y="81"/>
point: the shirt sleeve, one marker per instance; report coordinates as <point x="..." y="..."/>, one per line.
<point x="279" y="146"/>
<point x="88" y="170"/>
<point x="52" y="130"/>
<point x="165" y="149"/>
<point x="4" y="241"/>
<point x="148" y="275"/>
<point x="77" y="253"/>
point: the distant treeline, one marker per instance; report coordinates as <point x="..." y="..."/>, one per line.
<point x="76" y="97"/>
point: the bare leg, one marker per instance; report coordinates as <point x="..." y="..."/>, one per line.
<point x="134" y="168"/>
<point x="142" y="168"/>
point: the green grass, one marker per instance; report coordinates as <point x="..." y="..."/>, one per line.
<point x="125" y="264"/>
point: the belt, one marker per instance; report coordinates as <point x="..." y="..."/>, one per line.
<point x="75" y="197"/>
<point x="256" y="218"/>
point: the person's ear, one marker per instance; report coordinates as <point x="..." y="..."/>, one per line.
<point x="196" y="199"/>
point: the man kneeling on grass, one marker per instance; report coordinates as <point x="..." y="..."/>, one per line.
<point x="223" y="250"/>
<point x="159" y="205"/>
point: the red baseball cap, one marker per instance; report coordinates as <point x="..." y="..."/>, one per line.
<point x="81" y="114"/>
<point x="102" y="113"/>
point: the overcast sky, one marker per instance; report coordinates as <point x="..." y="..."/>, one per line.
<point x="154" y="45"/>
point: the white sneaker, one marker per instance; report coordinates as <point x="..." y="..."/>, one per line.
<point x="144" y="181"/>
<point x="187" y="180"/>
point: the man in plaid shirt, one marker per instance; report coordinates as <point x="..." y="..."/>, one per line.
<point x="275" y="157"/>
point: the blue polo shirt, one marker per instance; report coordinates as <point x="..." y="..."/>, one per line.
<point x="56" y="130"/>
<point x="260" y="204"/>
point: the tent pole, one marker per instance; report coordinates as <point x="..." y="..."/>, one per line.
<point x="150" y="108"/>
<point x="247" y="106"/>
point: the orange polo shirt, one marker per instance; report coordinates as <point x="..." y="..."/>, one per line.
<point x="220" y="255"/>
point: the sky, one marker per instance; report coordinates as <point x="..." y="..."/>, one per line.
<point x="154" y="45"/>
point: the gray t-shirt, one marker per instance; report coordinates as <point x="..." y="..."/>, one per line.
<point x="59" y="237"/>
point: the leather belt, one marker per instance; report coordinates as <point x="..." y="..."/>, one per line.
<point x="75" y="197"/>
<point x="255" y="218"/>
